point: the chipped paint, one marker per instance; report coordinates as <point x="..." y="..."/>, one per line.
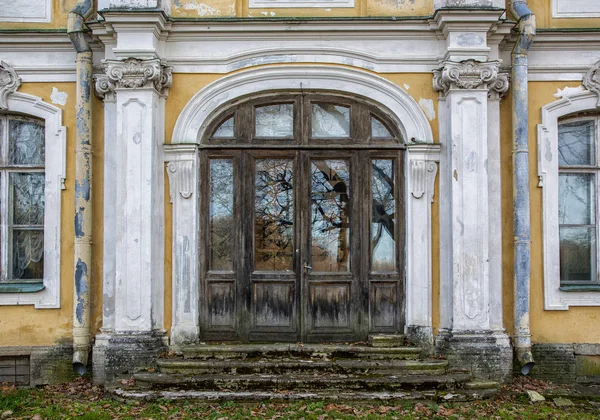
<point x="202" y="9"/>
<point x="79" y="233"/>
<point x="205" y="8"/>
<point x="568" y="91"/>
<point x="406" y="86"/>
<point x="81" y="289"/>
<point x="58" y="98"/>
<point x="428" y="108"/>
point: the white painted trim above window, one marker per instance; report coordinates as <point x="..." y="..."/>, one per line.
<point x="55" y="171"/>
<point x="554" y="298"/>
<point x="39" y="11"/>
<point x="575" y="9"/>
<point x="272" y="4"/>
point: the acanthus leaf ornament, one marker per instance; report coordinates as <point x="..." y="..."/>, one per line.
<point x="133" y="73"/>
<point x="591" y="81"/>
<point x="9" y="83"/>
<point x="470" y="74"/>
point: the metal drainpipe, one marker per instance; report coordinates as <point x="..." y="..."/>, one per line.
<point x="522" y="221"/>
<point x="83" y="186"/>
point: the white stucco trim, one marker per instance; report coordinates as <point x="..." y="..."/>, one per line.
<point x="39" y="11"/>
<point x="575" y="9"/>
<point x="421" y="169"/>
<point x="554" y="298"/>
<point x="55" y="170"/>
<point x="413" y="123"/>
<point x="273" y="4"/>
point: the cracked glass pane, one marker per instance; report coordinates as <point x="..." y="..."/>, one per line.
<point x="576" y="143"/>
<point x="26" y="145"/>
<point x="576" y="199"/>
<point x="330" y="121"/>
<point x="275" y="121"/>
<point x="378" y="130"/>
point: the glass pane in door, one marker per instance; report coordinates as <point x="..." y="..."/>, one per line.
<point x="221" y="235"/>
<point x="330" y="215"/>
<point x="383" y="223"/>
<point x="273" y="214"/>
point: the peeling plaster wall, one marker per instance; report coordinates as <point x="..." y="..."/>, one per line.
<point x="24" y="325"/>
<point x="578" y="324"/>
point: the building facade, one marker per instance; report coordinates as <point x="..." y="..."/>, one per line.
<point x="177" y="172"/>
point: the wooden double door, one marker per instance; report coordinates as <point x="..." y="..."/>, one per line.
<point x="301" y="244"/>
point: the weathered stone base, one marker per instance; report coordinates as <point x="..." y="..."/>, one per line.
<point x="420" y="337"/>
<point x="47" y="364"/>
<point x="121" y="355"/>
<point x="488" y="355"/>
<point x="567" y="363"/>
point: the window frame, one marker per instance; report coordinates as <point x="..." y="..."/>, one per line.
<point x="47" y="296"/>
<point x="557" y="297"/>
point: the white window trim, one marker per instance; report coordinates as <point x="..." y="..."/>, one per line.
<point x="554" y="298"/>
<point x="55" y="170"/>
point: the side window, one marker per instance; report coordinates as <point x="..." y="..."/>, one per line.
<point x="577" y="207"/>
<point x="22" y="180"/>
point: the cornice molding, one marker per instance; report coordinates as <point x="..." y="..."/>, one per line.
<point x="133" y="73"/>
<point x="591" y="81"/>
<point x="470" y="74"/>
<point x="9" y="83"/>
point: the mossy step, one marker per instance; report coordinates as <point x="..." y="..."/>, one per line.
<point x="394" y="366"/>
<point x="157" y="381"/>
<point x="386" y="340"/>
<point x="243" y="351"/>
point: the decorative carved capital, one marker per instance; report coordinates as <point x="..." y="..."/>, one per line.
<point x="133" y="73"/>
<point x="470" y="74"/>
<point x="181" y="177"/>
<point x="9" y="83"/>
<point x="591" y="81"/>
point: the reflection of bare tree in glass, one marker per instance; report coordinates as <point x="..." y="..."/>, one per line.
<point x="383" y="216"/>
<point x="330" y="215"/>
<point x="273" y="215"/>
<point x="221" y="214"/>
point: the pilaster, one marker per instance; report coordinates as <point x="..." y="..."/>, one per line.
<point x="133" y="309"/>
<point x="182" y="168"/>
<point x="422" y="169"/>
<point x="471" y="333"/>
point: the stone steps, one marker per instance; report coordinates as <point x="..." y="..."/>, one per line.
<point x="383" y="370"/>
<point x="299" y="382"/>
<point x="274" y="366"/>
<point x="282" y="350"/>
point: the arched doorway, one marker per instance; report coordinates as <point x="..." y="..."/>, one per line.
<point x="301" y="220"/>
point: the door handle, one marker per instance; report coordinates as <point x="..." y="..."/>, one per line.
<point x="307" y="267"/>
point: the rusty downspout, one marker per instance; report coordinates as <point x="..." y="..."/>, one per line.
<point x="522" y="221"/>
<point x="83" y="186"/>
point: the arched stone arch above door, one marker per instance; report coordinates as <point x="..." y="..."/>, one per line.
<point x="420" y="168"/>
<point x="411" y="120"/>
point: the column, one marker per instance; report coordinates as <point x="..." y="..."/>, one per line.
<point x="133" y="285"/>
<point x="471" y="332"/>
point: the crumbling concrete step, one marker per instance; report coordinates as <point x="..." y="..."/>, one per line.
<point x="386" y="340"/>
<point x="268" y="366"/>
<point x="248" y="396"/>
<point x="248" y="351"/>
<point x="390" y="383"/>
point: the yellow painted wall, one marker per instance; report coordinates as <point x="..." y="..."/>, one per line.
<point x="25" y="325"/>
<point x="60" y="10"/>
<point x="578" y="324"/>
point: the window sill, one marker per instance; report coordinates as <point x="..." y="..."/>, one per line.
<point x="581" y="288"/>
<point x="21" y="287"/>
